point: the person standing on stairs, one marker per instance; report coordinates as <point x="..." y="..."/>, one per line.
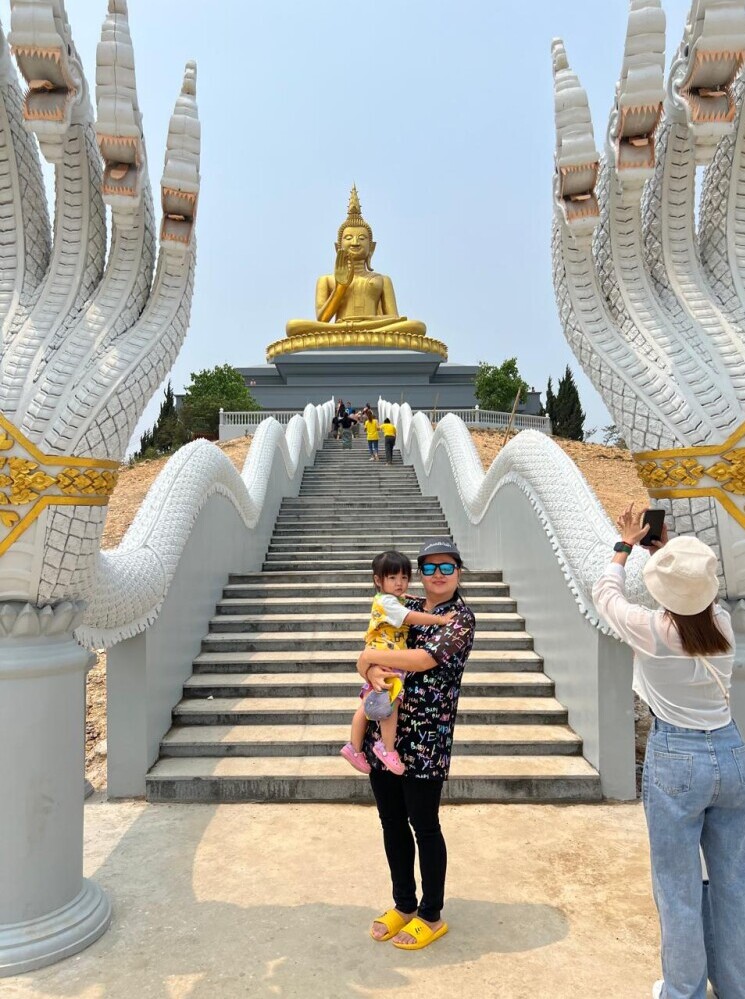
<point x="693" y="786"/>
<point x="389" y="439"/>
<point x="373" y="432"/>
<point x="434" y="664"/>
<point x="346" y="423"/>
<point x="336" y="422"/>
<point x="390" y="620"/>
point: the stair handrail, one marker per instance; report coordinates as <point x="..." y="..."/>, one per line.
<point x="133" y="579"/>
<point x="580" y="532"/>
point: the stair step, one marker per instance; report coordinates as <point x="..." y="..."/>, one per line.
<point x="345" y="575"/>
<point x="325" y="740"/>
<point x="283" y="564"/>
<point x="357" y="503"/>
<point x="319" y="640"/>
<point x="358" y="590"/>
<point x="346" y="528"/>
<point x="327" y="684"/>
<point x="330" y="710"/>
<point x="330" y="778"/>
<point x="294" y="660"/>
<point x="347" y="605"/>
<point x="310" y="624"/>
<point x="310" y="542"/>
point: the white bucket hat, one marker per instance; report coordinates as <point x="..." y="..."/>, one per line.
<point x="682" y="576"/>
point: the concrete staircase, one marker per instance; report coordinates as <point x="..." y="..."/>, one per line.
<point x="274" y="687"/>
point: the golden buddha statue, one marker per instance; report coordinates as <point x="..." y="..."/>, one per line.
<point x="355" y="306"/>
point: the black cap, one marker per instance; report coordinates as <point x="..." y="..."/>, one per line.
<point x="438" y="546"/>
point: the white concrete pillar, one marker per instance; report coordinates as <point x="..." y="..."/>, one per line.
<point x="48" y="911"/>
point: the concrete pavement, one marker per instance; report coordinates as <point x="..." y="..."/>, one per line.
<point x="545" y="902"/>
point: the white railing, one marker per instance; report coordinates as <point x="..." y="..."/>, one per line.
<point x="245" y="422"/>
<point x="490" y="419"/>
<point x="242" y="423"/>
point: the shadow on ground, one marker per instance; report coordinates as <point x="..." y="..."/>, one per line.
<point x="217" y="902"/>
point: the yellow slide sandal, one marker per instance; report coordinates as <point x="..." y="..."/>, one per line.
<point x="423" y="935"/>
<point x="393" y="922"/>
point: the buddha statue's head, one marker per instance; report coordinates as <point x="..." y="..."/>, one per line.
<point x="355" y="235"/>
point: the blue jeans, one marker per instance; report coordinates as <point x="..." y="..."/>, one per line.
<point x="694" y="794"/>
<point x="372" y="447"/>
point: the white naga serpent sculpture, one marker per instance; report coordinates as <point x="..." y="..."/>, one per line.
<point x="652" y="305"/>
<point x="87" y="337"/>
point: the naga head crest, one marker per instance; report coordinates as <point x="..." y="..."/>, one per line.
<point x="57" y="97"/>
<point x="639" y="95"/>
<point x="179" y="184"/>
<point x="576" y="156"/>
<point x="699" y="87"/>
<point x="119" y="123"/>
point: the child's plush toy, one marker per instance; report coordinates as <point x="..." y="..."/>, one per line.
<point x="379" y="703"/>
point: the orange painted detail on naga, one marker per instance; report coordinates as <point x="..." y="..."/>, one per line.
<point x="711" y="470"/>
<point x="31" y="480"/>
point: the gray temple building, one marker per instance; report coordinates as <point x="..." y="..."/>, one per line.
<point x="360" y="375"/>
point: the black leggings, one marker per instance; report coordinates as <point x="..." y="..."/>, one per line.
<point x="415" y="800"/>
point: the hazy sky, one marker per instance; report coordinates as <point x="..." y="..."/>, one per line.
<point x="440" y="112"/>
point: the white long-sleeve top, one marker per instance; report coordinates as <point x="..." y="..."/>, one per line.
<point x="678" y="687"/>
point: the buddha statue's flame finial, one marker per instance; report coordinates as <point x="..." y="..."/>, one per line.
<point x="354" y="215"/>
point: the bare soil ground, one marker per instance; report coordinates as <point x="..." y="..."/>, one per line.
<point x="610" y="472"/>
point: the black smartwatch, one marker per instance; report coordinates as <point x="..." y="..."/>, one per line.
<point x="623" y="546"/>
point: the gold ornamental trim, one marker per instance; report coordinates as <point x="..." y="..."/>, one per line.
<point x="31" y="481"/>
<point x="348" y="338"/>
<point x="686" y="472"/>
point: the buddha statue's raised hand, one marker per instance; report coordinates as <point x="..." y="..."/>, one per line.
<point x="343" y="269"/>
<point x="343" y="275"/>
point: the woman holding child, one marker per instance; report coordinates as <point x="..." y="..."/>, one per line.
<point x="433" y="663"/>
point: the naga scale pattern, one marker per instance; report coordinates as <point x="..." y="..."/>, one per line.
<point x="652" y="305"/>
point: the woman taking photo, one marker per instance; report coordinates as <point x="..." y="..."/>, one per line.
<point x="693" y="785"/>
<point x="434" y="665"/>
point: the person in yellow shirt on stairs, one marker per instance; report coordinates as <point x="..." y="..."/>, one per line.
<point x="373" y="432"/>
<point x="389" y="439"/>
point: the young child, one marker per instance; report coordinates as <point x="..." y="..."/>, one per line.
<point x="388" y="629"/>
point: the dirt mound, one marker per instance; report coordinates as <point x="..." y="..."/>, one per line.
<point x="610" y="471"/>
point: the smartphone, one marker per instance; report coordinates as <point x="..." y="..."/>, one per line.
<point x="655" y="519"/>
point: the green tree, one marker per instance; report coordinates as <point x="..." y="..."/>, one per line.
<point x="168" y="433"/>
<point x="550" y="402"/>
<point x="569" y="417"/>
<point x="612" y="437"/>
<point x="208" y="392"/>
<point x="496" y="387"/>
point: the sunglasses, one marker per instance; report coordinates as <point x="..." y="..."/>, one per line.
<point x="430" y="568"/>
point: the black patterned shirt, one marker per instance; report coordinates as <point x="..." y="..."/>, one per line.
<point x="426" y="716"/>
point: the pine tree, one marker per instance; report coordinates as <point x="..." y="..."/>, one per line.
<point x="550" y="403"/>
<point x="167" y="435"/>
<point x="570" y="417"/>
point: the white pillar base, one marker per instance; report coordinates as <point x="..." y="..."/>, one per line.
<point x="48" y="911"/>
<point x="48" y="939"/>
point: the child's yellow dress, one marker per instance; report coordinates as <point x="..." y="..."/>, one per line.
<point x="387" y="630"/>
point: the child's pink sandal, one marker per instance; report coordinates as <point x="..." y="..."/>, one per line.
<point x="357" y="759"/>
<point x="391" y="760"/>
